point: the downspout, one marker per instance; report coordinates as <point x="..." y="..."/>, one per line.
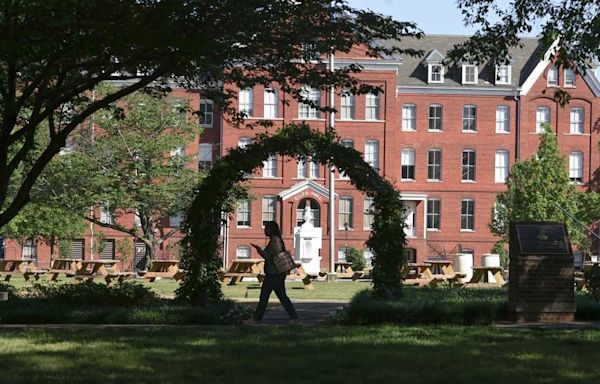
<point x="92" y="211"/>
<point x="517" y="98"/>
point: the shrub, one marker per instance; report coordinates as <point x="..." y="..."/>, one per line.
<point x="356" y="257"/>
<point x="592" y="282"/>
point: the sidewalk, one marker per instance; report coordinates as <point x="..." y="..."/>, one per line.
<point x="310" y="312"/>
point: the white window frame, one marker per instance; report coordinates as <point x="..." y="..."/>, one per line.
<point x="409" y="117"/>
<point x="243" y="252"/>
<point x="205" y="156"/>
<point x="576" y="120"/>
<point x="542" y="115"/>
<point x="29" y="250"/>
<point x="467" y="215"/>
<point x="434" y="211"/>
<point x="270" y="103"/>
<point x="106" y="214"/>
<point x="175" y="221"/>
<point x="576" y="167"/>
<point x="372" y="153"/>
<point x="348" y="143"/>
<point x="433" y="166"/>
<point x="306" y="111"/>
<point x="569" y="78"/>
<point x="552" y="79"/>
<point x="269" y="208"/>
<point x="434" y="118"/>
<point x="502" y="119"/>
<point x="368" y="216"/>
<point x="372" y="106"/>
<point x="469" y="118"/>
<point x="469" y="168"/>
<point x="407" y="164"/>
<point x="346" y="208"/>
<point x="244" y="214"/>
<point x="206" y="112"/>
<point x="468" y="71"/>
<point x="246" y="101"/>
<point x="503" y="74"/>
<point x="308" y="169"/>
<point x="270" y="167"/>
<point x="347" y="105"/>
<point x="501" y="166"/>
<point x="435" y="73"/>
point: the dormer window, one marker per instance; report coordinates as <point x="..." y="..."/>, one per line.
<point x="553" y="77"/>
<point x="503" y="74"/>
<point x="436" y="73"/>
<point x="469" y="74"/>
<point x="569" y="77"/>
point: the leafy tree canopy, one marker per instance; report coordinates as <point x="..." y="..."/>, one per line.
<point x="53" y="53"/>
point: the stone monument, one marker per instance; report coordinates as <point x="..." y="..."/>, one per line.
<point x="541" y="283"/>
<point x="308" y="240"/>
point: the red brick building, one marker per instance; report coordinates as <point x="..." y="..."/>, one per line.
<point x="444" y="135"/>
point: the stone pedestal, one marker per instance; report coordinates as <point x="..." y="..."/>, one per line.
<point x="308" y="240"/>
<point x="541" y="273"/>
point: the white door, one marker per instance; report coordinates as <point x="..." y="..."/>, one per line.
<point x="410" y="218"/>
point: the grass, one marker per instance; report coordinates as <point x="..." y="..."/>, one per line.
<point x="377" y="354"/>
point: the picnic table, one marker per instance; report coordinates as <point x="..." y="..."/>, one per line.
<point x="443" y="270"/>
<point x="481" y="277"/>
<point x="300" y="273"/>
<point x="68" y="267"/>
<point x="164" y="269"/>
<point x="106" y="269"/>
<point x="343" y="269"/>
<point x="25" y="268"/>
<point x="579" y="276"/>
<point x="244" y="268"/>
<point x="417" y="274"/>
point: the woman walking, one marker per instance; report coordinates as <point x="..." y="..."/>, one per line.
<point x="273" y="281"/>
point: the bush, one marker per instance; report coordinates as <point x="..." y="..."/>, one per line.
<point x="592" y="282"/>
<point x="91" y="293"/>
<point x="356" y="257"/>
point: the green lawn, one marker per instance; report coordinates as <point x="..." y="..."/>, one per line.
<point x="295" y="354"/>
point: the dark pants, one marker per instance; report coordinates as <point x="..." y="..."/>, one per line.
<point x="274" y="283"/>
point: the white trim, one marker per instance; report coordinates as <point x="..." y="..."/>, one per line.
<point x="539" y="69"/>
<point x="303" y="186"/>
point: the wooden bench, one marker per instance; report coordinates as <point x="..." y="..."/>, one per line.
<point x="25" y="268"/>
<point x="67" y="267"/>
<point x="243" y="268"/>
<point x="164" y="269"/>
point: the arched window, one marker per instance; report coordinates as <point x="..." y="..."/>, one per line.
<point x="315" y="210"/>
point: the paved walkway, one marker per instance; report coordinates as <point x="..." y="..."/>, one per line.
<point x="310" y="312"/>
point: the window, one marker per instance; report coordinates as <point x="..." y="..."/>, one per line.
<point x="177" y="160"/>
<point x="435" y="117"/>
<point x="106" y="214"/>
<point x="243" y="142"/>
<point x="205" y="156"/>
<point x="434" y="164"/>
<point x="269" y="209"/>
<point x="347" y="106"/>
<point x="435" y="73"/>
<point x="469" y="119"/>
<point x="372" y="153"/>
<point x="433" y="214"/>
<point x="206" y="113"/>
<point x="345" y="215"/>
<point x="175" y="221"/>
<point x="467" y="215"/>
<point x="342" y="254"/>
<point x="29" y="250"/>
<point x="408" y="164"/>
<point x="368" y="216"/>
<point x="108" y="252"/>
<point x="469" y="74"/>
<point x="409" y="117"/>
<point x="305" y="110"/>
<point x="270" y="167"/>
<point x="314" y="209"/>
<point x="270" y="103"/>
<point x="348" y="143"/>
<point x="577" y="120"/>
<point x="503" y="74"/>
<point x="372" y="106"/>
<point x="542" y="117"/>
<point x="242" y="252"/>
<point x="308" y="170"/>
<point x="468" y="165"/>
<point x="77" y="249"/>
<point x="368" y="253"/>
<point x="569" y="77"/>
<point x="244" y="214"/>
<point x="553" y="77"/>
<point x="501" y="166"/>
<point x="576" y="167"/>
<point x="502" y="119"/>
<point x="246" y="102"/>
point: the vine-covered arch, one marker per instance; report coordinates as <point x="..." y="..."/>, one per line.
<point x="222" y="187"/>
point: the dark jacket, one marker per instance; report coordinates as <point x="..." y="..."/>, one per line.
<point x="270" y="251"/>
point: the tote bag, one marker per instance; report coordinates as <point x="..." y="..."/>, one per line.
<point x="283" y="262"/>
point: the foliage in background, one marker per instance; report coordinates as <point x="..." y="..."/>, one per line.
<point x="218" y="191"/>
<point x="499" y="248"/>
<point x="54" y="53"/>
<point x="124" y="248"/>
<point x="592" y="282"/>
<point x="357" y="258"/>
<point x="539" y="189"/>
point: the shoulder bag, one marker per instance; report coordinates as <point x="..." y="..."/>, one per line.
<point x="283" y="262"/>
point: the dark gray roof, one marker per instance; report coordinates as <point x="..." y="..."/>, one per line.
<point x="414" y="72"/>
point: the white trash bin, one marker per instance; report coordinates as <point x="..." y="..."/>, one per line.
<point x="490" y="260"/>
<point x="463" y="263"/>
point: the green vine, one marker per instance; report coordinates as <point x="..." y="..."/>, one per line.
<point x="224" y="185"/>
